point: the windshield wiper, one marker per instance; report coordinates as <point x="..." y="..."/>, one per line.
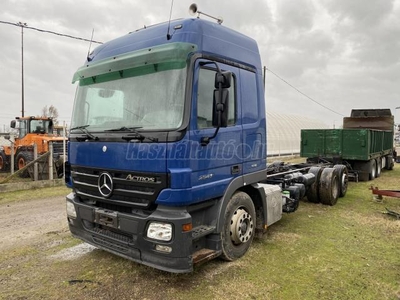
<point x="85" y="131"/>
<point x="136" y="136"/>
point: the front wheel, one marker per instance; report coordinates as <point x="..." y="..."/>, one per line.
<point x="3" y="162"/>
<point x="239" y="226"/>
<point x="22" y="159"/>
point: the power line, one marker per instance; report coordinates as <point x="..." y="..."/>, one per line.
<point x="51" y="32"/>
<point x="315" y="101"/>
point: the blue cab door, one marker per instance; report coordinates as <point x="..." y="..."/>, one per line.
<point x="213" y="166"/>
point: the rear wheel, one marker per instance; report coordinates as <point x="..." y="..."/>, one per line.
<point x="378" y="163"/>
<point x="3" y="162"/>
<point x="389" y="162"/>
<point x="239" y="226"/>
<point x="343" y="174"/>
<point x="23" y="158"/>
<point x="312" y="191"/>
<point x="372" y="169"/>
<point x="329" y="186"/>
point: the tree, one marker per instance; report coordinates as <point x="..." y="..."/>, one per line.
<point x="50" y="112"/>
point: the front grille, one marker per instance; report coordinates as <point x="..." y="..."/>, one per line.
<point x="126" y="194"/>
<point x="110" y="245"/>
<point x="116" y="236"/>
<point x="58" y="148"/>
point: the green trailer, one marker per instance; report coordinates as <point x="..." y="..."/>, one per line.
<point x="365" y="144"/>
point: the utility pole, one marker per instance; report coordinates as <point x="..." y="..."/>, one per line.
<point x="22" y="25"/>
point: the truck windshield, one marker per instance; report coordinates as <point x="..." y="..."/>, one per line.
<point x="149" y="98"/>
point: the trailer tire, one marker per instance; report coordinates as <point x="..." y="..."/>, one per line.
<point x="4" y="166"/>
<point x="22" y="159"/>
<point x="389" y="162"/>
<point x="312" y="191"/>
<point x="371" y="169"/>
<point x="329" y="186"/>
<point x="239" y="226"/>
<point x="343" y="174"/>
<point x="383" y="161"/>
<point x="378" y="162"/>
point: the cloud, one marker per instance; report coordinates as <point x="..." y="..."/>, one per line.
<point x="341" y="53"/>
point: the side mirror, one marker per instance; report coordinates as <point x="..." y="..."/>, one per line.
<point x="220" y="108"/>
<point x="13" y="124"/>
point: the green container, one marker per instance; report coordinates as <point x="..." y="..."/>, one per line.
<point x="347" y="144"/>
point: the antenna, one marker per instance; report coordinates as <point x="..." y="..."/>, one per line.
<point x="169" y="36"/>
<point x="194" y="10"/>
<point x="90" y="45"/>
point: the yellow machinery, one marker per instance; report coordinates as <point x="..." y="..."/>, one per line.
<point x="32" y="130"/>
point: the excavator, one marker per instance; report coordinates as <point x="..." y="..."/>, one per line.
<point x="32" y="130"/>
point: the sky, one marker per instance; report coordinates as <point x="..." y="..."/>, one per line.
<point x="323" y="57"/>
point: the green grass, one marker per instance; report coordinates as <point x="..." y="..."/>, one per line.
<point x="39" y="193"/>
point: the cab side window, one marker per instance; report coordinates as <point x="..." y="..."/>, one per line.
<point x="205" y="94"/>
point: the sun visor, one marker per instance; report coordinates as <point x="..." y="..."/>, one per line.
<point x="171" y="52"/>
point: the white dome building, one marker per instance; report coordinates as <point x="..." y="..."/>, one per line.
<point x="283" y="132"/>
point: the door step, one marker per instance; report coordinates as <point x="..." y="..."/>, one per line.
<point x="204" y="255"/>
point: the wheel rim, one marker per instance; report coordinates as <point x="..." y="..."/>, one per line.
<point x="373" y="171"/>
<point x="241" y="226"/>
<point x="378" y="166"/>
<point x="21" y="163"/>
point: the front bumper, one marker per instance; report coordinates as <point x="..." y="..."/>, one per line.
<point x="126" y="235"/>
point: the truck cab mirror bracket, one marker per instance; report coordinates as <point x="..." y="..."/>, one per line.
<point x="220" y="101"/>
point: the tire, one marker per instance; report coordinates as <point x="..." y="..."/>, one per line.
<point x="239" y="226"/>
<point x="383" y="162"/>
<point x="389" y="162"/>
<point x="312" y="191"/>
<point x="22" y="159"/>
<point x="329" y="186"/>
<point x="378" y="163"/>
<point x="343" y="175"/>
<point x="371" y="165"/>
<point x="4" y="165"/>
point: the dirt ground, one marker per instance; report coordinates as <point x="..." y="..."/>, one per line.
<point x="40" y="260"/>
<point x="26" y="222"/>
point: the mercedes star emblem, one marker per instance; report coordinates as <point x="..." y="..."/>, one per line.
<point x="105" y="184"/>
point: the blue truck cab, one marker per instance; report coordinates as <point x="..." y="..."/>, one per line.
<point x="167" y="147"/>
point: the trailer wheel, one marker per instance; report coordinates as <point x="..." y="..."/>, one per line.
<point x="389" y="162"/>
<point x="3" y="162"/>
<point x="239" y="226"/>
<point x="343" y="174"/>
<point x="329" y="186"/>
<point x="383" y="162"/>
<point x="23" y="158"/>
<point x="378" y="163"/>
<point x="312" y="191"/>
<point x="371" y="169"/>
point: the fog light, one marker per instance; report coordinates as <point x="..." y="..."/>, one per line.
<point x="160" y="231"/>
<point x="71" y="212"/>
<point x="163" y="248"/>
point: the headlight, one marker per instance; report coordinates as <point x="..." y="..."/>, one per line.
<point x="71" y="212"/>
<point x="160" y="231"/>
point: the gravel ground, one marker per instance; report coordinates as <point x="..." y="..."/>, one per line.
<point x="25" y="222"/>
